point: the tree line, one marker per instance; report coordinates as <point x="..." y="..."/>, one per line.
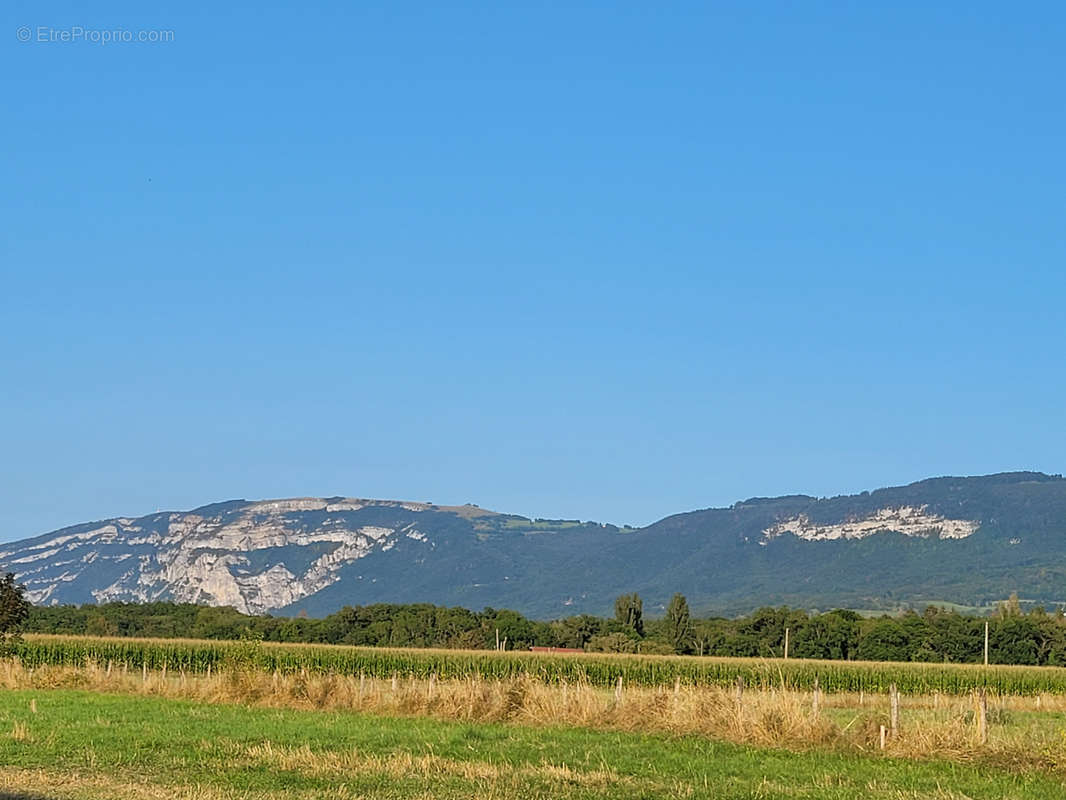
<point x="936" y="635"/>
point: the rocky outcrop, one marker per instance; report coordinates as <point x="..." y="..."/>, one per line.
<point x="241" y="557"/>
<point x="906" y="520"/>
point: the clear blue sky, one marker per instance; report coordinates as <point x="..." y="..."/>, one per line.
<point x="608" y="261"/>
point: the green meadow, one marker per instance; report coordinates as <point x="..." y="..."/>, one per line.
<point x="75" y="744"/>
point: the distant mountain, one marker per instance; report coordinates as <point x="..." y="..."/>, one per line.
<point x="968" y="541"/>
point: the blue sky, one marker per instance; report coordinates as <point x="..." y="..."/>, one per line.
<point x="608" y="261"/>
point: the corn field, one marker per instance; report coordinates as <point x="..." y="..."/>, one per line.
<point x="196" y="656"/>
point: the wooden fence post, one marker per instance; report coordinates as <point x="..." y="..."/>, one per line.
<point x="982" y="716"/>
<point x="816" y="697"/>
<point x="786" y="642"/>
<point x="618" y="690"/>
<point x="986" y="643"/>
<point x="894" y="701"/>
<point x="740" y="688"/>
<point x="883" y="732"/>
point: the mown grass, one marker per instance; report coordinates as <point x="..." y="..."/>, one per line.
<point x="75" y="744"/>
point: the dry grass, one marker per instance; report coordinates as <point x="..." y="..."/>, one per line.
<point x="36" y="784"/>
<point x="402" y="765"/>
<point x="20" y="733"/>
<point x="931" y="726"/>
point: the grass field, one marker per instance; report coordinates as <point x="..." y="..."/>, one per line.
<point x="75" y="744"/>
<point x="88" y="718"/>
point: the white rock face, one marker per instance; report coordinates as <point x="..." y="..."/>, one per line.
<point x="217" y="560"/>
<point x="907" y="520"/>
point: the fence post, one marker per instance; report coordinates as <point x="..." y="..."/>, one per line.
<point x="982" y="716"/>
<point x="883" y="732"/>
<point x="740" y="688"/>
<point x="816" y="697"/>
<point x="786" y="642"/>
<point x="618" y="690"/>
<point x="894" y="701"/>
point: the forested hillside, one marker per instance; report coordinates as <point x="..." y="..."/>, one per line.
<point x="969" y="542"/>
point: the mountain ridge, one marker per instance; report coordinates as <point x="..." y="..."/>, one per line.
<point x="964" y="540"/>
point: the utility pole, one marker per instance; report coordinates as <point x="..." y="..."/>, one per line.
<point x="986" y="642"/>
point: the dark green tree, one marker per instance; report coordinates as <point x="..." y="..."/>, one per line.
<point x="629" y="610"/>
<point x="885" y="640"/>
<point x="679" y="624"/>
<point x="833" y="636"/>
<point x="14" y="607"/>
<point x="576" y="631"/>
<point x="612" y="643"/>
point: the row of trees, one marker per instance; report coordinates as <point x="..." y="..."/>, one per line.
<point x="1034" y="637"/>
